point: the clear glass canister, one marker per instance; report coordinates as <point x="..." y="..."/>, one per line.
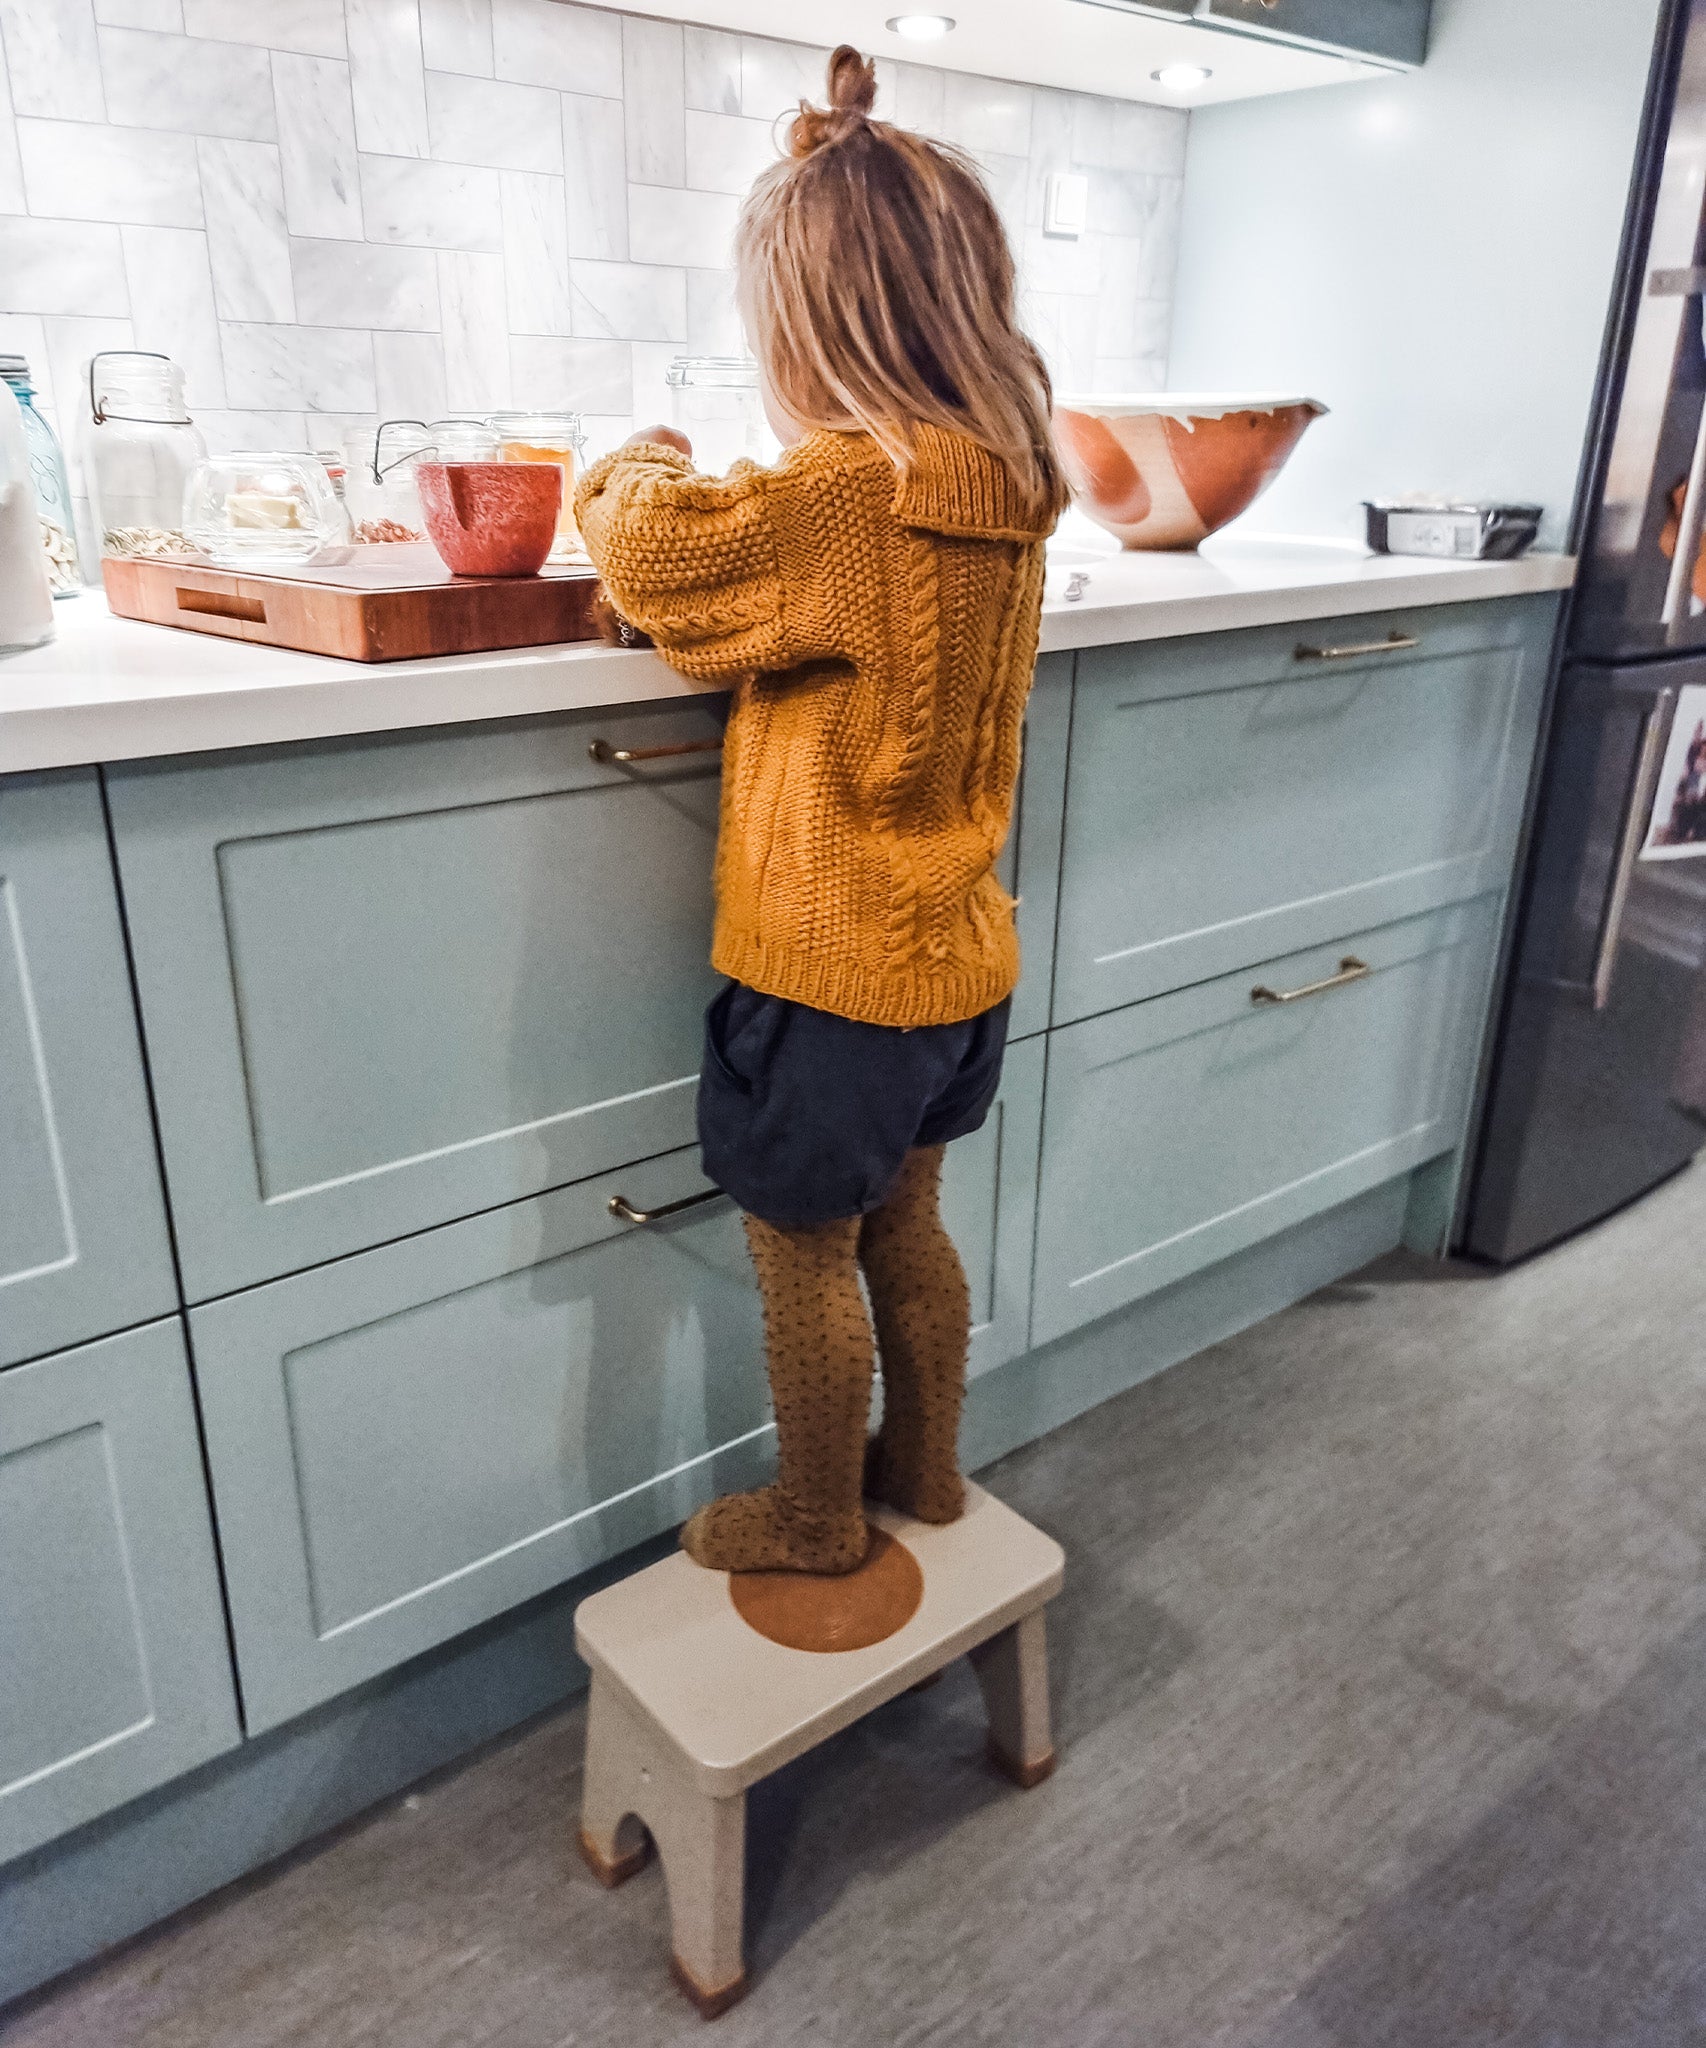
<point x="26" y="606"/>
<point x="47" y="474"/>
<point x="270" y="510"/>
<point x="138" y="446"/>
<point x="379" y="481"/>
<point x="546" y="437"/>
<point x="462" y="441"/>
<point x="714" y="401"/>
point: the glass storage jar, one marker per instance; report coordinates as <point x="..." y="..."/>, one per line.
<point x="47" y="474"/>
<point x="138" y="445"/>
<point x="380" y="492"/>
<point x="462" y="441"/>
<point x="714" y="401"/>
<point x="272" y="510"/>
<point x="546" y="437"/>
<point x="26" y="604"/>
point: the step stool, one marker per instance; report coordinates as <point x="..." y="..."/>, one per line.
<point x="690" y="1706"/>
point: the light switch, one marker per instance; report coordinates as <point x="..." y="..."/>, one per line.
<point x="1066" y="203"/>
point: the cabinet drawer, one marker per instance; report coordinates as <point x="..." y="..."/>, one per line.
<point x="392" y="982"/>
<point x="83" y="1245"/>
<point x="1228" y="801"/>
<point x="989" y="1203"/>
<point x="114" y="1669"/>
<point x="1030" y="861"/>
<point x="409" y="1441"/>
<point x="1182" y="1130"/>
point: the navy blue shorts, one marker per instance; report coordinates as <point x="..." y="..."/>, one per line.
<point x="806" y="1118"/>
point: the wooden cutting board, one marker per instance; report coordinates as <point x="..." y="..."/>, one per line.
<point x="395" y="602"/>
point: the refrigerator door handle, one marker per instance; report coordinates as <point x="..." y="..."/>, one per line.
<point x="1643" y="787"/>
<point x="1674" y="615"/>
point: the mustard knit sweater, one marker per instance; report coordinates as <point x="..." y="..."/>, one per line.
<point x="880" y="636"/>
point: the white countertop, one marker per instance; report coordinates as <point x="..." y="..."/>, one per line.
<point x="113" y="689"/>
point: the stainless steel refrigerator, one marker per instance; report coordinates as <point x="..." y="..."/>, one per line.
<point x="1597" y="1090"/>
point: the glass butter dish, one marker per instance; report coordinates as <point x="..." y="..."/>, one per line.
<point x="272" y="510"/>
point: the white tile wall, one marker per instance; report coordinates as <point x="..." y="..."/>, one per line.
<point x="326" y="209"/>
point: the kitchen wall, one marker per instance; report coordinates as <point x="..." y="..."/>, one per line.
<point x="1431" y="254"/>
<point x="331" y="209"/>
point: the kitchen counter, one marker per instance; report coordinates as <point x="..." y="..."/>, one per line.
<point x="113" y="689"/>
<point x="333" y="1073"/>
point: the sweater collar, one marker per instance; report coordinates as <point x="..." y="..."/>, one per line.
<point x="953" y="486"/>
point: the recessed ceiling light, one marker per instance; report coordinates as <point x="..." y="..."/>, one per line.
<point x="920" y="28"/>
<point x="1182" y="77"/>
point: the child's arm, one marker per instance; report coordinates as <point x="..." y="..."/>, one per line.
<point x="692" y="560"/>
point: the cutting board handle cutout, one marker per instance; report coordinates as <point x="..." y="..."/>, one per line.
<point x="221" y="604"/>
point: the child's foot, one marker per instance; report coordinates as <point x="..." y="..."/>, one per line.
<point x="763" y="1531"/>
<point x="932" y="1494"/>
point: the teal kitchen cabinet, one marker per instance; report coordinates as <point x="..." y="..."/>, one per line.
<point x="390" y="982"/>
<point x="1181" y="1130"/>
<point x="1392" y="31"/>
<point x="1030" y="861"/>
<point x="115" y="1674"/>
<point x="407" y="1442"/>
<point x="83" y="1244"/>
<point x="989" y="1203"/>
<point x="1253" y="793"/>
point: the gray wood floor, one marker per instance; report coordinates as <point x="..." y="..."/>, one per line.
<point x="1381" y="1682"/>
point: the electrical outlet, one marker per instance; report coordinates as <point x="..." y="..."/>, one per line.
<point x="1066" y="204"/>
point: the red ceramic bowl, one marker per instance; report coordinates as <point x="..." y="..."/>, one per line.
<point x="491" y="518"/>
<point x="1165" y="470"/>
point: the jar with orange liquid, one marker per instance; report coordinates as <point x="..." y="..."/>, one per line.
<point x="546" y="437"/>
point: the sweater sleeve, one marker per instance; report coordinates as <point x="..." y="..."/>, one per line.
<point x="690" y="559"/>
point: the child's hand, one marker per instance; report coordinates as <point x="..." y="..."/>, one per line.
<point x="671" y="437"/>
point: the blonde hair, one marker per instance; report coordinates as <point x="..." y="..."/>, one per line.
<point x="877" y="286"/>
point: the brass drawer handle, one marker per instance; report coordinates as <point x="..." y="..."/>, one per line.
<point x="603" y="752"/>
<point x="1394" y="643"/>
<point x="619" y="1205"/>
<point x="1350" y="969"/>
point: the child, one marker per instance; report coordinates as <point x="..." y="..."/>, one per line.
<point x="874" y="600"/>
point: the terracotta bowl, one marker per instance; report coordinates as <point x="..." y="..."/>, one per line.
<point x="1165" y="470"/>
<point x="491" y="518"/>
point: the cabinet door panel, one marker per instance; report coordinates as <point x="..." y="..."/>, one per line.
<point x="1393" y="29"/>
<point x="1030" y="864"/>
<point x="83" y="1246"/>
<point x="1182" y="1130"/>
<point x="393" y="982"/>
<point x="989" y="1203"/>
<point x="1228" y="802"/>
<point x="407" y="1442"/>
<point x="114" y="1669"/>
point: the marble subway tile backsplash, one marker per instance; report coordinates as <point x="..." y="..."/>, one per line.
<point x="331" y="210"/>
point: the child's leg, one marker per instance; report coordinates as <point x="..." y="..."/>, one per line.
<point x="923" y="1315"/>
<point x="818" y="1345"/>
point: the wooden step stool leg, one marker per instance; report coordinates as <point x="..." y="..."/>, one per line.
<point x="639" y="1791"/>
<point x="703" y="1845"/>
<point x="1012" y="1669"/>
<point x="613" y="1837"/>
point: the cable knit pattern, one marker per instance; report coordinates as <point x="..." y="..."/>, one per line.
<point x="879" y="636"/>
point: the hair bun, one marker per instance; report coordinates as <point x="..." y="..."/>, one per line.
<point x="851" y="89"/>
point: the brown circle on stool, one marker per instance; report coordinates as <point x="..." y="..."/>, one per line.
<point x="850" y="1611"/>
